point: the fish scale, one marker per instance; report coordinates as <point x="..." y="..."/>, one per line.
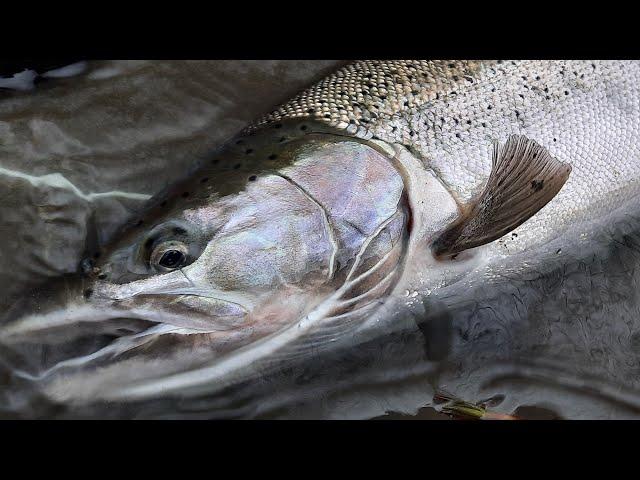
<point x="364" y="94"/>
<point x="387" y="185"/>
<point x="586" y="113"/>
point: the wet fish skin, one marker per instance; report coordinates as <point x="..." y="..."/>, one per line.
<point x="262" y="251"/>
<point x="431" y="127"/>
<point x="448" y="112"/>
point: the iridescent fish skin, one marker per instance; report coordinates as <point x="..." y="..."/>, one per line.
<point x="586" y="113"/>
<point x="290" y="228"/>
<point x="322" y="216"/>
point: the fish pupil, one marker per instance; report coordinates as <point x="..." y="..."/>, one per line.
<point x="172" y="259"/>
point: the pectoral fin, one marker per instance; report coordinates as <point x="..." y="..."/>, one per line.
<point x="524" y="178"/>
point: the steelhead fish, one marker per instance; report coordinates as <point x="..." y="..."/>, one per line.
<point x="387" y="185"/>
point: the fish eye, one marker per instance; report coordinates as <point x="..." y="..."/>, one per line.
<point x="172" y="259"/>
<point x="169" y="255"/>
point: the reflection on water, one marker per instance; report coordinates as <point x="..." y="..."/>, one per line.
<point x="100" y="143"/>
<point x="562" y="341"/>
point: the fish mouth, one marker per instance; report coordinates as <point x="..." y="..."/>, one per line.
<point x="67" y="313"/>
<point x="79" y="325"/>
<point x="59" y="331"/>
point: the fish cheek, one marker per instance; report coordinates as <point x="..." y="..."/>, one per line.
<point x="279" y="248"/>
<point x="273" y="236"/>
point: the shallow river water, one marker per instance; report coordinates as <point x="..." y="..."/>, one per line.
<point x="92" y="143"/>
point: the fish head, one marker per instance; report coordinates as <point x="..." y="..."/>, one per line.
<point x="219" y="256"/>
<point x="272" y="250"/>
<point x="252" y="244"/>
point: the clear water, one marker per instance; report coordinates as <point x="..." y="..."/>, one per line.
<point x="94" y="141"/>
